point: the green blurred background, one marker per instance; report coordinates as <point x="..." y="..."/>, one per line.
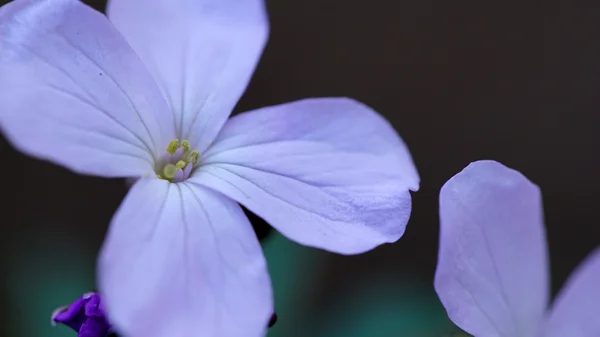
<point x="517" y="81"/>
<point x="382" y="303"/>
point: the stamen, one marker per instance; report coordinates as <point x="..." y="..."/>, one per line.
<point x="173" y="146"/>
<point x="193" y="157"/>
<point x="185" y="145"/>
<point x="179" y="163"/>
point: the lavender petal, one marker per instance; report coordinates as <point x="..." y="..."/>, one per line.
<point x="492" y="273"/>
<point x="328" y="173"/>
<point x="181" y="260"/>
<point x="576" y="308"/>
<point x="72" y="91"/>
<point x="202" y="52"/>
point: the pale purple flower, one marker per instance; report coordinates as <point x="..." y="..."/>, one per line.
<point x="86" y="316"/>
<point x="147" y="94"/>
<point x="492" y="274"/>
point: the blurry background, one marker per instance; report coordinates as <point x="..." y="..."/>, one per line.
<point x="515" y="81"/>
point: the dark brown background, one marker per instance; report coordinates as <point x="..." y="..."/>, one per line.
<point x="514" y="81"/>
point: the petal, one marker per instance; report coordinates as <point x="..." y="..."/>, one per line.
<point x="328" y="173"/>
<point x="72" y="91"/>
<point x="183" y="260"/>
<point x="492" y="272"/>
<point x="202" y="52"/>
<point x="575" y="310"/>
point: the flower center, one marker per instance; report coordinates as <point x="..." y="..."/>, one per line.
<point x="177" y="164"/>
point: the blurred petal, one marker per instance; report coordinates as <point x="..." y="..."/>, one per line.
<point x="94" y="327"/>
<point x="57" y="314"/>
<point x="492" y="272"/>
<point x="71" y="315"/>
<point x="202" y="52"/>
<point x="576" y="308"/>
<point x="328" y="173"/>
<point x="73" y="92"/>
<point x="183" y="260"/>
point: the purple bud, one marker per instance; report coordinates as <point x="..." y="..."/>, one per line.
<point x="85" y="315"/>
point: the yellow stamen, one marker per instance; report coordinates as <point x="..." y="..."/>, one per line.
<point x="185" y="145"/>
<point x="173" y="146"/>
<point x="193" y="157"/>
<point x="186" y="155"/>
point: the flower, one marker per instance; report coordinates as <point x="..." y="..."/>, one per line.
<point x="492" y="273"/>
<point x="86" y="316"/>
<point x="147" y="94"/>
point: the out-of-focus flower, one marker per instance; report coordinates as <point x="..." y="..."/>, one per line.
<point x="86" y="316"/>
<point x="147" y="95"/>
<point x="492" y="274"/>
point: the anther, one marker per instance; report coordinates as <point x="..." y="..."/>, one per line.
<point x="180" y="164"/>
<point x="193" y="157"/>
<point x="173" y="146"/>
<point x="185" y="145"/>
